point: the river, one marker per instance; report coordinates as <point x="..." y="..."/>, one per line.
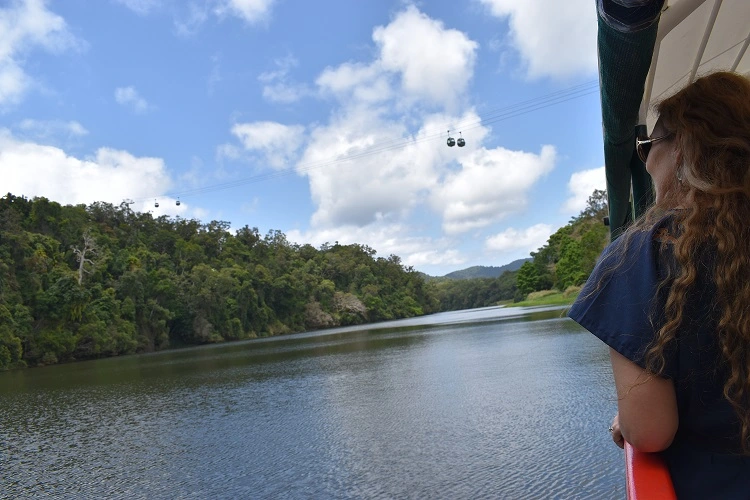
<point x="488" y="403"/>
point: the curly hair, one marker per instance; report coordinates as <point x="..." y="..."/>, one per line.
<point x="710" y="119"/>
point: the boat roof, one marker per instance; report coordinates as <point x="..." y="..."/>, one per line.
<point x="696" y="37"/>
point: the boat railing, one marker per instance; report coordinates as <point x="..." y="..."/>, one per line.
<point x="647" y="476"/>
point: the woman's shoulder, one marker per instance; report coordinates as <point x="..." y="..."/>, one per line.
<point x="645" y="240"/>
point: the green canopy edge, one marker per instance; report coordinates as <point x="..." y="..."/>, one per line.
<point x="624" y="61"/>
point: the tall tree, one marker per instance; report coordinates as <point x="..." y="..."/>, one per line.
<point x="90" y="248"/>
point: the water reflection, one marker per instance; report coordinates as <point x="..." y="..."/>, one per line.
<point x="485" y="403"/>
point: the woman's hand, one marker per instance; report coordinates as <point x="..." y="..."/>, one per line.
<point x="614" y="429"/>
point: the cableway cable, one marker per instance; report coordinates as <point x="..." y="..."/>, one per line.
<point x="490" y="116"/>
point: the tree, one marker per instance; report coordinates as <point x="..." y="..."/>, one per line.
<point x="527" y="278"/>
<point x="90" y="247"/>
<point x="570" y="266"/>
<point x="158" y="283"/>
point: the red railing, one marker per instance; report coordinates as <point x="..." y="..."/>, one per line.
<point x="647" y="476"/>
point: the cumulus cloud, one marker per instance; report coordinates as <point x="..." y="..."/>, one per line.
<point x="529" y="239"/>
<point x="130" y="98"/>
<point x="556" y="39"/>
<point x="356" y="81"/>
<point x="365" y="166"/>
<point x="111" y="176"/>
<point x="26" y="26"/>
<point x="387" y="239"/>
<point x="277" y="143"/>
<point x="492" y="184"/>
<point x="581" y="185"/>
<point x="433" y="62"/>
<point x="380" y="158"/>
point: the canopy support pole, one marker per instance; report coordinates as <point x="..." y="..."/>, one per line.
<point x="741" y="54"/>
<point x="704" y="42"/>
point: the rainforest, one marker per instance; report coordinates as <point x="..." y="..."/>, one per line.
<point x="88" y="281"/>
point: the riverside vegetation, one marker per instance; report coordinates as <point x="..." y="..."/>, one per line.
<point x="81" y="282"/>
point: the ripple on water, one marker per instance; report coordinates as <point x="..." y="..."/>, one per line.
<point x="516" y="409"/>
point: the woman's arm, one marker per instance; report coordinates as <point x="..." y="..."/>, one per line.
<point x="647" y="405"/>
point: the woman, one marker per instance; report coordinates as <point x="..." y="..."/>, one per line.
<point x="671" y="297"/>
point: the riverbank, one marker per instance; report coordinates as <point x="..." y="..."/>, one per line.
<point x="547" y="298"/>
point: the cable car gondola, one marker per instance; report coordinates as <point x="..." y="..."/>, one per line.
<point x="451" y="141"/>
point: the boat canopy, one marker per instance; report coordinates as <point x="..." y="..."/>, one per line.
<point x="649" y="49"/>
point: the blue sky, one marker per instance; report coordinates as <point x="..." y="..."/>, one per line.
<point x="326" y="120"/>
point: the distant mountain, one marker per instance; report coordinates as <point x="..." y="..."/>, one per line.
<point x="482" y="271"/>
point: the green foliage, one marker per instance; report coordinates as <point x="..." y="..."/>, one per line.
<point x="565" y="260"/>
<point x="569" y="268"/>
<point x="527" y="278"/>
<point x="485" y="271"/>
<point x="570" y="254"/>
<point x="155" y="283"/>
<point x="478" y="292"/>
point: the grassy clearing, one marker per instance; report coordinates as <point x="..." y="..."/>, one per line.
<point x="549" y="298"/>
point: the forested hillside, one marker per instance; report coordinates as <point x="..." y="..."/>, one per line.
<point x="565" y="260"/>
<point x="570" y="253"/>
<point x="485" y="271"/>
<point x="80" y="282"/>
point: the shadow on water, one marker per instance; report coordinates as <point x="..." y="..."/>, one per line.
<point x="186" y="361"/>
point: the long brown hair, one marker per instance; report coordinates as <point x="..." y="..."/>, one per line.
<point x="710" y="119"/>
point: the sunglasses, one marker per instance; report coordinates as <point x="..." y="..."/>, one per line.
<point x="643" y="146"/>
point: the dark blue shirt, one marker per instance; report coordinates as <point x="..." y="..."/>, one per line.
<point x="623" y="304"/>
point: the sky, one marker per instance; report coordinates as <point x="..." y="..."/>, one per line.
<point x="325" y="120"/>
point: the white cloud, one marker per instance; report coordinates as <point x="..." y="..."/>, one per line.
<point x="129" y="97"/>
<point x="433" y="62"/>
<point x="112" y="176"/>
<point x="356" y="81"/>
<point x="284" y="93"/>
<point x="444" y="257"/>
<point x="187" y="24"/>
<point x="51" y="129"/>
<point x="190" y="16"/>
<point x="387" y="239"/>
<point x="277" y="86"/>
<point x="228" y="151"/>
<point x="491" y="185"/>
<point x="25" y="26"/>
<point x="363" y="168"/>
<point x="581" y="185"/>
<point x="554" y="38"/>
<point x="141" y="7"/>
<point x="278" y="143"/>
<point x="283" y="66"/>
<point x="13" y="82"/>
<point x="251" y="11"/>
<point x="367" y="168"/>
<point x="529" y="239"/>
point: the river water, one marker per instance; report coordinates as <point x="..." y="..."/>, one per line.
<point x="487" y="403"/>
